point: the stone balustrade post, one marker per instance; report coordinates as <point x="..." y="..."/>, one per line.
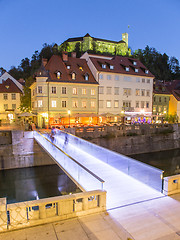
<point x="42" y="211"/>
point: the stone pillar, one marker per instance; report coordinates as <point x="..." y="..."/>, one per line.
<point x="3" y="214"/>
<point x="85" y="203"/>
<point x="42" y="211"/>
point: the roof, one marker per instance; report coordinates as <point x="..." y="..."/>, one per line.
<point x="120" y="63"/>
<point x="80" y="39"/>
<point x="174" y="88"/>
<point x="9" y="86"/>
<point x="77" y="65"/>
<point x="161" y="88"/>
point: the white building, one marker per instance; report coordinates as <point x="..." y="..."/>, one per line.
<point x="125" y="85"/>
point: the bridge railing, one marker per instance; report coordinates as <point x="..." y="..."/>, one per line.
<point x="143" y="172"/>
<point x="83" y="177"/>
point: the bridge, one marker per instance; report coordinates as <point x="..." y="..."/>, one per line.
<point x="91" y="167"/>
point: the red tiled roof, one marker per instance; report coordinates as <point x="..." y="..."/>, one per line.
<point x="161" y="88"/>
<point x="174" y="88"/>
<point x="9" y="86"/>
<point x="119" y="64"/>
<point x="56" y="64"/>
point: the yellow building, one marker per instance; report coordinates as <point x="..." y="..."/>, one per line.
<point x="65" y="92"/>
<point x="10" y="97"/>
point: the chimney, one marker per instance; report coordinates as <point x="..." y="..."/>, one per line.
<point x="44" y="61"/>
<point x="73" y="54"/>
<point x="65" y="56"/>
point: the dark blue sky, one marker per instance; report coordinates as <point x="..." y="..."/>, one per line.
<point x="26" y="25"/>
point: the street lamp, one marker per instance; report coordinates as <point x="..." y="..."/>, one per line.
<point x="69" y="112"/>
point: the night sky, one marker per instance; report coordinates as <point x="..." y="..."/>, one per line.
<point x="26" y="25"/>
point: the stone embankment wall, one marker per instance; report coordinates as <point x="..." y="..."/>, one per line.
<point x="134" y="139"/>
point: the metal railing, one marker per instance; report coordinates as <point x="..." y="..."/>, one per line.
<point x="85" y="179"/>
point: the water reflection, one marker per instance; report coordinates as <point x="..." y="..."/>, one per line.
<point x="34" y="183"/>
<point x="169" y="161"/>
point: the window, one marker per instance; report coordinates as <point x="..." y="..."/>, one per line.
<point x="116" y="91"/>
<point x="101" y="90"/>
<point x="5" y="96"/>
<point x="127" y="91"/>
<point x="159" y="99"/>
<point x="116" y="77"/>
<point x="143" y="80"/>
<point x="92" y="104"/>
<point x="116" y="103"/>
<point x="33" y="92"/>
<point x="63" y="104"/>
<point x="39" y="103"/>
<point x="92" y="91"/>
<point x="165" y="99"/>
<point x="100" y="76"/>
<point x="165" y="109"/>
<point x="104" y="66"/>
<point x="136" y="70"/>
<point x="86" y="77"/>
<point x="5" y="106"/>
<point x="126" y="104"/>
<point x="111" y="67"/>
<point x="160" y="108"/>
<point x="13" y="106"/>
<point x="154" y="99"/>
<point x="101" y="103"/>
<point x="147" y="104"/>
<point x="109" y="90"/>
<point x="137" y="92"/>
<point x="73" y="76"/>
<point x="108" y="104"/>
<point x="53" y="103"/>
<point x="58" y="75"/>
<point x="146" y="71"/>
<point x="142" y="92"/>
<point x="84" y="104"/>
<point x="68" y="66"/>
<point x="13" y="96"/>
<point x="148" y="80"/>
<point x="127" y="69"/>
<point x="142" y="104"/>
<point x="32" y="104"/>
<point x="137" y="79"/>
<point x="84" y="91"/>
<point x="63" y="90"/>
<point x="137" y="104"/>
<point x="148" y="93"/>
<point x="108" y="77"/>
<point x="53" y="90"/>
<point x="39" y="89"/>
<point x="74" y="91"/>
<point x="75" y="103"/>
<point x="134" y="63"/>
<point x="154" y="109"/>
<point x="127" y="79"/>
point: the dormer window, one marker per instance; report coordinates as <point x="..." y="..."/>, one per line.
<point x="111" y="67"/>
<point x="134" y="63"/>
<point x="127" y="69"/>
<point x="68" y="66"/>
<point x="80" y="68"/>
<point x="146" y="71"/>
<point x="58" y="75"/>
<point x="86" y="76"/>
<point x="7" y="86"/>
<point x="104" y="66"/>
<point x="136" y="70"/>
<point x="73" y="76"/>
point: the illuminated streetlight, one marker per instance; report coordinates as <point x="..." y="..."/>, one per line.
<point x="69" y="112"/>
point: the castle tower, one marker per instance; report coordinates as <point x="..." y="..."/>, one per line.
<point x="125" y="38"/>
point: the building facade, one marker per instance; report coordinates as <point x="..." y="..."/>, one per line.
<point x="161" y="98"/>
<point x="125" y="86"/>
<point x="98" y="45"/>
<point x="64" y="92"/>
<point x="10" y="97"/>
